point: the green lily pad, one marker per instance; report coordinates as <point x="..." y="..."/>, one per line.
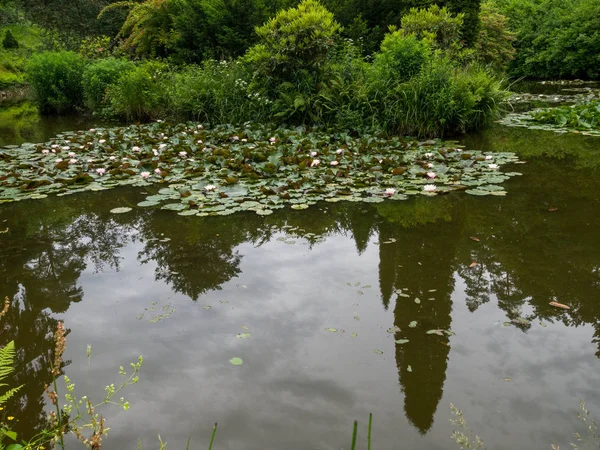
<point x="121" y="210"/>
<point x="236" y="361"/>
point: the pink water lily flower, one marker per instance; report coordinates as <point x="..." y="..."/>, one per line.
<point x="273" y="140"/>
<point x="210" y="187"/>
<point x="145" y="175"/>
<point x="313" y="154"/>
<point x="235" y="138"/>
<point x="71" y="154"/>
<point x="100" y="171"/>
<point x="45" y="151"/>
<point x="65" y="148"/>
<point x="136" y="149"/>
<point x="72" y="161"/>
<point x="58" y="160"/>
<point x="431" y="175"/>
<point x="390" y="191"/>
<point x="157" y="171"/>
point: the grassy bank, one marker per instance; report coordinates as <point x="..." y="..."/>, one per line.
<point x="29" y="41"/>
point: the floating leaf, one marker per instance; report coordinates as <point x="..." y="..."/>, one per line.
<point x="473" y="264"/>
<point x="473" y="238"/>
<point x="121" y="210"/>
<point x="243" y="335"/>
<point x="393" y="329"/>
<point x="354" y="334"/>
<point x="207" y="307"/>
<point x="236" y="361"/>
<point x="401" y="341"/>
<point x="332" y="330"/>
<point x="379" y="352"/>
<point x="438" y="332"/>
<point x="413" y="324"/>
<point x="409" y="369"/>
<point x="417" y="300"/>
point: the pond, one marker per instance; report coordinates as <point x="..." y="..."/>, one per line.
<point x="329" y="308"/>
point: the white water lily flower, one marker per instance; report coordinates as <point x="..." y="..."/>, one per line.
<point x="155" y="152"/>
<point x="273" y="140"/>
<point x="162" y="146"/>
<point x="112" y="158"/>
<point x="430" y="165"/>
<point x="145" y="175"/>
<point x="66" y="148"/>
<point x="493" y="166"/>
<point x="54" y="146"/>
<point x="488" y="157"/>
<point x="100" y="171"/>
<point x="431" y="175"/>
<point x="199" y="127"/>
<point x="390" y="191"/>
<point x="45" y="151"/>
<point x="429" y="187"/>
<point x="58" y="160"/>
<point x="339" y="151"/>
<point x="71" y="154"/>
<point x="90" y="160"/>
<point x="136" y="149"/>
<point x="183" y="154"/>
<point x="210" y="187"/>
<point x="315" y="163"/>
<point x="199" y="141"/>
<point x="313" y="154"/>
<point x="428" y="155"/>
<point x="92" y="130"/>
<point x="101" y="141"/>
<point x="72" y="161"/>
<point x="235" y="138"/>
<point x="334" y="163"/>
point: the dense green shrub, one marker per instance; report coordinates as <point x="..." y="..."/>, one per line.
<point x="98" y="76"/>
<point x="9" y="41"/>
<point x="400" y="58"/>
<point x="435" y="24"/>
<point x="494" y="45"/>
<point x="140" y="93"/>
<point x="555" y="38"/>
<point x="56" y="78"/>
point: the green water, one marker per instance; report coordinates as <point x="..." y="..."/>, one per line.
<point x="142" y="282"/>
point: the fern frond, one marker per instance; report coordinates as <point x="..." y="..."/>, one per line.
<point x="8" y="394"/>
<point x="7" y="357"/>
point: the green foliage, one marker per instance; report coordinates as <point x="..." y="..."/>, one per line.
<point x="9" y="41"/>
<point x="56" y="78"/>
<point x="7" y="357"/>
<point x="401" y="57"/>
<point x="494" y="45"/>
<point x="147" y="30"/>
<point x="12" y="61"/>
<point x="99" y="76"/>
<point x="471" y="22"/>
<point x="140" y="93"/>
<point x="217" y="92"/>
<point x="555" y="38"/>
<point x="95" y="47"/>
<point x="581" y="116"/>
<point x="435" y="24"/>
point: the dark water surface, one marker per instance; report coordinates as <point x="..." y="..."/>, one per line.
<point x="141" y="283"/>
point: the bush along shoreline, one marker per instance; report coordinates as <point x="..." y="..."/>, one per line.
<point x="301" y="71"/>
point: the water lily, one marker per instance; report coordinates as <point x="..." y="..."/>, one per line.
<point x="199" y="127"/>
<point x="339" y="151"/>
<point x="235" y="138"/>
<point x="273" y="140"/>
<point x="145" y="175"/>
<point x="45" y="151"/>
<point x="136" y="149"/>
<point x="334" y="163"/>
<point x="66" y="148"/>
<point x="390" y="191"/>
<point x="493" y="166"/>
<point x="54" y="146"/>
<point x="430" y="165"/>
<point x="162" y="146"/>
<point x="157" y="171"/>
<point x="315" y="163"/>
<point x="101" y="141"/>
<point x="244" y="140"/>
<point x="92" y="130"/>
<point x="90" y="160"/>
<point x="100" y="171"/>
<point x="112" y="158"/>
<point x="183" y="154"/>
<point x="71" y="154"/>
<point x="199" y="141"/>
<point x="431" y="175"/>
<point x="155" y="152"/>
<point x="210" y="187"/>
<point x="58" y="160"/>
<point x="72" y="161"/>
<point x="429" y="187"/>
<point x="428" y="155"/>
<point x="313" y="154"/>
<point x="488" y="157"/>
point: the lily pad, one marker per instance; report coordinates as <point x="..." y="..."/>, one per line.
<point x="121" y="210"/>
<point x="236" y="361"/>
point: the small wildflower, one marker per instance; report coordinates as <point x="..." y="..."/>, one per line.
<point x="10" y="417"/>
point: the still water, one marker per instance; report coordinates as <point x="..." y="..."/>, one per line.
<point x="178" y="290"/>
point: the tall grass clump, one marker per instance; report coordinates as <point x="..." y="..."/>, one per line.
<point x="56" y="79"/>
<point x="99" y="76"/>
<point x="140" y="93"/>
<point x="217" y="92"/>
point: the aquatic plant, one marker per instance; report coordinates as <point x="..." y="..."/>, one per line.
<point x="223" y="170"/>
